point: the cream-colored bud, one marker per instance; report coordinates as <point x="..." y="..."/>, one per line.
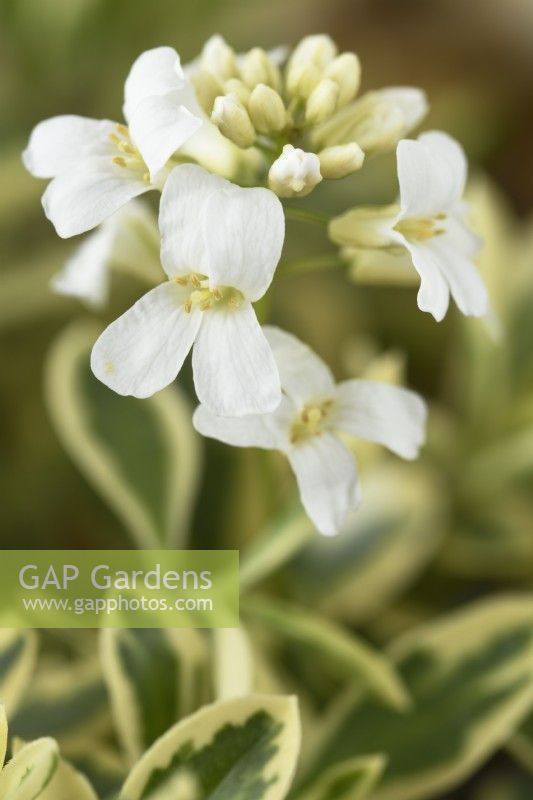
<point x="340" y="161"/>
<point x="267" y="110"/>
<point x="233" y="120"/>
<point x="345" y="70"/>
<point x="206" y="88"/>
<point x="322" y="101"/>
<point x="295" y="173"/>
<point x="219" y="59"/>
<point x="257" y="67"/>
<point x="238" y="89"/>
<point x="307" y="64"/>
<point x="365" y="227"/>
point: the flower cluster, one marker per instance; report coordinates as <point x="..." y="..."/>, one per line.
<point x="277" y="130"/>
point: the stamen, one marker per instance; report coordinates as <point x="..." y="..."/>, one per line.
<point x="311" y="421"/>
<point x="120" y="161"/>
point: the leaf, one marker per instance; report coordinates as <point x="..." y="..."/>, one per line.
<point x="155" y="677"/>
<point x="243" y="749"/>
<point x="3" y="736"/>
<point x="520" y="745"/>
<point x="471" y="678"/>
<point x="18" y="654"/>
<point x="233" y="663"/>
<point x="68" y="702"/>
<point x="353" y="659"/>
<point x="65" y="784"/>
<point x="353" y="779"/>
<point x="30" y="771"/>
<point x="394" y="534"/>
<point x="141" y="455"/>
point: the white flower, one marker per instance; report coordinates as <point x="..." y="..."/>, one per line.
<point x="432" y="224"/>
<point x="220" y="245"/>
<point x="306" y="427"/>
<point x="96" y="166"/>
<point x="295" y="173"/>
<point x="128" y="241"/>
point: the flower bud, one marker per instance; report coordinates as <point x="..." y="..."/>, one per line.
<point x="257" y="67"/>
<point x="322" y="101"/>
<point x="345" y="70"/>
<point x="206" y="88"/>
<point x="295" y="173"/>
<point x="267" y="110"/>
<point x="340" y="161"/>
<point x="219" y="59"/>
<point x="238" y="89"/>
<point x="365" y="227"/>
<point x="233" y="121"/>
<point x="307" y="63"/>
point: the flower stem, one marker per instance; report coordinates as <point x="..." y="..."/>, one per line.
<point x="306" y="215"/>
<point x="301" y="265"/>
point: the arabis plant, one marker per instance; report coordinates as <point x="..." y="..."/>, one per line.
<point x="284" y="123"/>
<point x="309" y="422"/>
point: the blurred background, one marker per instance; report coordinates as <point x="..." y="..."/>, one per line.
<point x="462" y="518"/>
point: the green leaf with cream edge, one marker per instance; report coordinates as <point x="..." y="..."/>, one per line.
<point x="18" y="654"/>
<point x="473" y="672"/>
<point x="30" y="770"/>
<point x="154" y="677"/>
<point x="141" y="456"/>
<point x="243" y="749"/>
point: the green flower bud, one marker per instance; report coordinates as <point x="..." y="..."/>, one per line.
<point x="206" y="88"/>
<point x="345" y="70"/>
<point x="267" y="110"/>
<point x="238" y="89"/>
<point x="219" y="59"/>
<point x="307" y="63"/>
<point x="340" y="161"/>
<point x="322" y="101"/>
<point x="233" y="121"/>
<point x="257" y="67"/>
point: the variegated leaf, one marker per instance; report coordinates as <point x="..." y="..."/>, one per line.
<point x="30" y="771"/>
<point x="471" y="678"/>
<point x="142" y="456"/>
<point x="154" y="677"/>
<point x="353" y="779"/>
<point x="243" y="749"/>
<point x="18" y="654"/>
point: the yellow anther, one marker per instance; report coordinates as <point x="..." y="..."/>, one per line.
<point x="127" y="148"/>
<point x="114" y="138"/>
<point x="146" y="177"/>
<point x="195" y="280"/>
<point x="204" y="297"/>
<point x="122" y="129"/>
<point x="311" y="421"/>
<point x="420" y="228"/>
<point x="120" y="161"/>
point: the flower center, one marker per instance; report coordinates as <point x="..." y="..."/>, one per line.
<point x="311" y="421"/>
<point x="204" y="297"/>
<point x="129" y="157"/>
<point x="420" y="228"/>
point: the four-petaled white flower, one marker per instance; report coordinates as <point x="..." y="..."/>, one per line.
<point x="306" y="425"/>
<point x="220" y="245"/>
<point x="96" y="166"/>
<point x="432" y="224"/>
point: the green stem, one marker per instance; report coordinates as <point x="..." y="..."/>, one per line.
<point x="306" y="215"/>
<point x="302" y="265"/>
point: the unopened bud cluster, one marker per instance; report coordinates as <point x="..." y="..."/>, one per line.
<point x="255" y="103"/>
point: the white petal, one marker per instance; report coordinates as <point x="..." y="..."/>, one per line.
<point x="409" y="100"/>
<point x="82" y="198"/>
<point x="327" y="479"/>
<point x="62" y="142"/>
<point x="180" y="219"/>
<point x="144" y="349"/>
<point x="159" y="126"/>
<point x="431" y="173"/>
<point x="244" y="231"/>
<point x="268" y="431"/>
<point x="304" y="376"/>
<point x="379" y="412"/>
<point x="465" y="282"/>
<point x="234" y="369"/>
<point x="86" y="273"/>
<point x="434" y="292"/>
<point x="155" y="72"/>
